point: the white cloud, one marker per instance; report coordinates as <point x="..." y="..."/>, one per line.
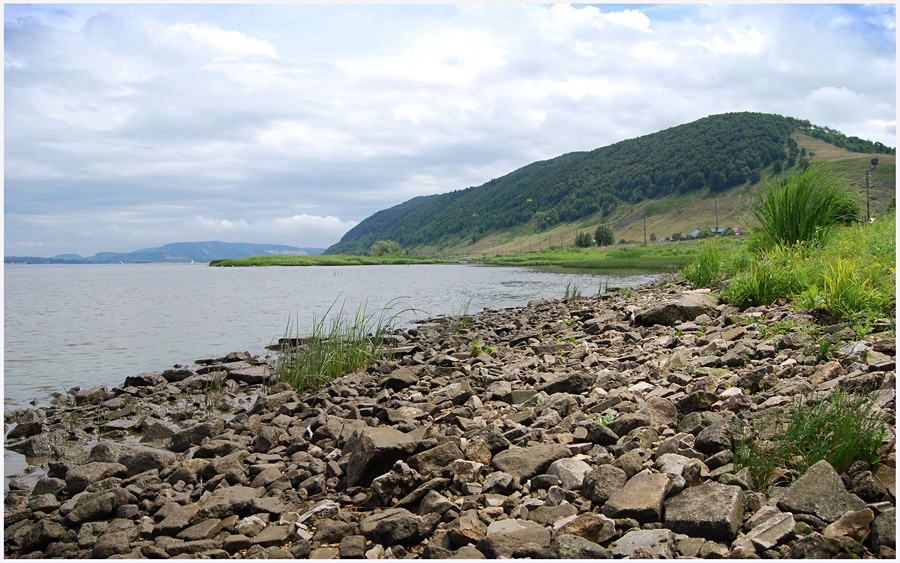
<point x="273" y="119"/>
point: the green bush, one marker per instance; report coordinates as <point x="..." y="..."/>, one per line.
<point x="846" y="293"/>
<point x="800" y="209"/>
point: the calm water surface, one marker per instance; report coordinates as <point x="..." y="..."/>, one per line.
<point x="67" y="325"/>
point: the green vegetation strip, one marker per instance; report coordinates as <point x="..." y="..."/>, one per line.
<point x="328" y="260"/>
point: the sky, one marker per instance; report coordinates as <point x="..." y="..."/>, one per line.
<point x="130" y="126"/>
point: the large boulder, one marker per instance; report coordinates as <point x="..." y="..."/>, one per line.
<point x="641" y="498"/>
<point x="687" y="307"/>
<point x="372" y="451"/>
<point x="712" y="511"/>
<point x="820" y="492"/>
<point x="525" y="463"/>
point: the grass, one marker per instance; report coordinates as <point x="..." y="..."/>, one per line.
<point x="337" y="344"/>
<point x="707" y="270"/>
<point x="839" y="430"/>
<point x="800" y="209"/>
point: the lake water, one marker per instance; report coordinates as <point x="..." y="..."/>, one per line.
<point x="89" y="325"/>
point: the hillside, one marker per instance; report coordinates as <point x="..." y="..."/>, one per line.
<point x="672" y="178"/>
<point x="174" y="252"/>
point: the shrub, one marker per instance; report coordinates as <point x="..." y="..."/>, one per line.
<point x="584" y="240"/>
<point x="801" y="208"/>
<point x="604" y="236"/>
<point x="840" y="430"/>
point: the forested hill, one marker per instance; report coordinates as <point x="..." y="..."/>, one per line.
<point x="715" y="152"/>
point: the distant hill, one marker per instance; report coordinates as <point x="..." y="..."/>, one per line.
<point x="710" y="156"/>
<point x="174" y="252"/>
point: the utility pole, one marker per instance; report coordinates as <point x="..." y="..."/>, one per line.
<point x="717" y="215"/>
<point x="645" y="230"/>
<point x="868" y="216"/>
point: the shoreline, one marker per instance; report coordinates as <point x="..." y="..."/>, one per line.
<point x="470" y="455"/>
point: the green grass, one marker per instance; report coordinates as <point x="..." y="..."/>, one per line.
<point x="800" y="208"/>
<point x="839" y="430"/>
<point x="707" y="270"/>
<point x="337" y="344"/>
<point x="328" y="260"/>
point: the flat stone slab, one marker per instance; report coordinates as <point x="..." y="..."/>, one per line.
<point x="525" y="463"/>
<point x="660" y="544"/>
<point x="641" y="498"/>
<point x="712" y="511"/>
<point x="820" y="492"/>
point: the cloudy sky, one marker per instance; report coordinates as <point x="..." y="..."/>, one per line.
<point x="132" y="126"/>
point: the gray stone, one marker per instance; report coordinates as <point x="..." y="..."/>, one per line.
<point x="372" y="451"/>
<point x="814" y="546"/>
<point x="272" y="535"/>
<point x="687" y="307"/>
<point x="202" y="530"/>
<point x="176" y="517"/>
<point x="595" y="527"/>
<point x="771" y="531"/>
<point x="524" y="463"/>
<point x="135" y="457"/>
<point x="602" y="482"/>
<point x="193" y="435"/>
<point x="436" y="459"/>
<point x="226" y="501"/>
<point x="503" y="540"/>
<point x="570" y="472"/>
<point x="78" y="478"/>
<point x="331" y="531"/>
<point x="820" y="492"/>
<point x="718" y="436"/>
<point x="884" y="530"/>
<point x="109" y="544"/>
<point x="567" y="546"/>
<point x="658" y="544"/>
<point x="712" y="511"/>
<point x="641" y="498"/>
<point x="30" y="423"/>
<point x="466" y="529"/>
<point x="391" y="527"/>
<point x="545" y="515"/>
<point x="352" y="547"/>
<point x="99" y="505"/>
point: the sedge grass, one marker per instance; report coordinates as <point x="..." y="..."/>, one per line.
<point x="840" y="430"/>
<point x="337" y="344"/>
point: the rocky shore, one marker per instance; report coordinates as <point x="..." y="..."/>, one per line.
<point x="601" y="427"/>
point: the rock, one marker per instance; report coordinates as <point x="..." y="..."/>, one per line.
<point x="352" y="547"/>
<point x="467" y="529"/>
<point x="134" y="457"/>
<point x="503" y="540"/>
<point x="187" y="437"/>
<point x="770" y="532"/>
<point x="820" y="492"/>
<point x="853" y="524"/>
<point x="391" y="527"/>
<point x="78" y="478"/>
<point x="30" y="423"/>
<point x="175" y="518"/>
<point x="595" y="527"/>
<point x="687" y="307"/>
<point x="658" y="544"/>
<point x="567" y="546"/>
<point x="331" y="531"/>
<point x="718" y="436"/>
<point x="95" y="506"/>
<point x="226" y="501"/>
<point x="42" y="533"/>
<point x="599" y="484"/>
<point x="710" y="511"/>
<point x="109" y="544"/>
<point x="884" y="530"/>
<point x="815" y="546"/>
<point x="545" y="515"/>
<point x="570" y="472"/>
<point x="524" y="463"/>
<point x="372" y="451"/>
<point x="272" y="535"/>
<point x="203" y="530"/>
<point x="641" y="498"/>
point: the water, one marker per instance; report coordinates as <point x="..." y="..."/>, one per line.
<point x="68" y="325"/>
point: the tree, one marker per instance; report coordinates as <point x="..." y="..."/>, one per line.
<point x="874" y="161"/>
<point x="583" y="240"/>
<point x="386" y="248"/>
<point x="604" y="236"/>
<point x="652" y="236"/>
<point x="778" y="167"/>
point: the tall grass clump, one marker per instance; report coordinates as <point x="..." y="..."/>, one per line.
<point x="337" y="344"/>
<point x="707" y="268"/>
<point x="840" y="430"/>
<point x="801" y="208"/>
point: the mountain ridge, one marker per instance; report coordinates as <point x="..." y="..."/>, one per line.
<point x="714" y="155"/>
<point x="202" y="251"/>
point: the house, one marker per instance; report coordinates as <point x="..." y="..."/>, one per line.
<point x="694" y="233"/>
<point x="722" y="231"/>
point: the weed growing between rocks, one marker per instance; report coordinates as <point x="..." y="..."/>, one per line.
<point x="840" y="430"/>
<point x="338" y="345"/>
<point x="707" y="270"/>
